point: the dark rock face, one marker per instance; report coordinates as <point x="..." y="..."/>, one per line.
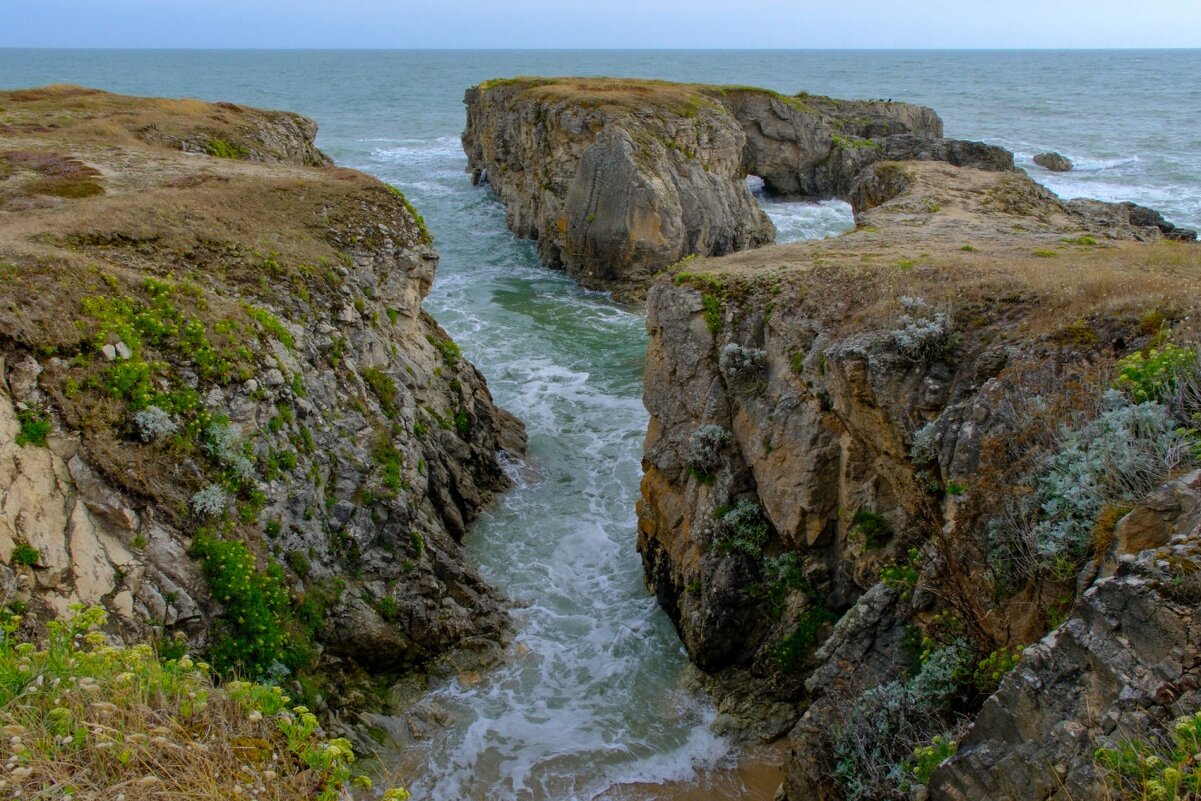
<point x="1114" y="218"/>
<point x="1123" y="667"/>
<point x="1054" y="162"/>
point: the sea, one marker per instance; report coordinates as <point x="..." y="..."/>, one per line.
<point x="594" y="696"/>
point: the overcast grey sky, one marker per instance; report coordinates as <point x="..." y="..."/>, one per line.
<point x="601" y="24"/>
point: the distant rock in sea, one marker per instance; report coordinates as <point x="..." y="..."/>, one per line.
<point x="1055" y="162"/>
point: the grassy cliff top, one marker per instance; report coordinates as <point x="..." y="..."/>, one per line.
<point x="91" y="116"/>
<point x="966" y="239"/>
<point x="94" y="184"/>
<point x="633" y="94"/>
<point x="113" y="228"/>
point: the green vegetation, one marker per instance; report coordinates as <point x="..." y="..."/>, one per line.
<point x="450" y="350"/>
<point x="222" y="149"/>
<point x="1139" y="769"/>
<point x="389" y="460"/>
<point x="35" y="427"/>
<point x="854" y="142"/>
<point x="1045" y="254"/>
<point x="255" y="634"/>
<point x="270" y="324"/>
<point x="426" y="237"/>
<point x="713" y="313"/>
<point x="992" y="668"/>
<point x="742" y="529"/>
<point x="903" y="576"/>
<point x="928" y="757"/>
<point x="798" y="645"/>
<point x="25" y="555"/>
<point x="83" y="719"/>
<point x="875" y="528"/>
<point x="1081" y="240"/>
<point x="384" y="388"/>
<point x="1150" y="375"/>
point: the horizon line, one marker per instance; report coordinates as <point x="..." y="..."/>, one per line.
<point x="149" y="48"/>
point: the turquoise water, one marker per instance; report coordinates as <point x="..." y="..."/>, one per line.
<point x="591" y="696"/>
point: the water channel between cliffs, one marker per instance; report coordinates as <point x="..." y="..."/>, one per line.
<point x="592" y="696"/>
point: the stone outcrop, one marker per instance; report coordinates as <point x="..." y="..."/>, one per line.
<point x="1055" y="162"/>
<point x="617" y="179"/>
<point x="247" y="327"/>
<point x="785" y="386"/>
<point x="1123" y="668"/>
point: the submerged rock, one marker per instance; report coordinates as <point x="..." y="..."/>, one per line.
<point x="1053" y="161"/>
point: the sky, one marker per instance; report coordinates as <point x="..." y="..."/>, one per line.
<point x="521" y="24"/>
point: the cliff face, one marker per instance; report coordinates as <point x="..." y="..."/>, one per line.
<point x="824" y="414"/>
<point x="613" y="192"/>
<point x="618" y="179"/>
<point x="207" y="354"/>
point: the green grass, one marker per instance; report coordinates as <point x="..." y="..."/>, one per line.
<point x="451" y="352"/>
<point x="35" y="427"/>
<point x="222" y="149"/>
<point x="384" y="388"/>
<point x="26" y="555"/>
<point x="85" y="719"/>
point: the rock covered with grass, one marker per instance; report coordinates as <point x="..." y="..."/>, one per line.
<point x="962" y="435"/>
<point x="82" y="718"/>
<point x="617" y="179"/>
<point x="223" y="412"/>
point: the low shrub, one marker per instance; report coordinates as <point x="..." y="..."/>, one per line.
<point x="742" y="528"/>
<point x="875" y="528"/>
<point x="1167" y="770"/>
<point x="744" y="367"/>
<point x="704" y="457"/>
<point x="253" y="637"/>
<point x="34" y="427"/>
<point x="84" y="719"/>
<point x="923" y="334"/>
<point x="154" y="424"/>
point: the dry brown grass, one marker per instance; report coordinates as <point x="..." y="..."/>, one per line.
<point x="84" y="720"/>
<point x="625" y="94"/>
<point x="232" y="231"/>
<point x="90" y="116"/>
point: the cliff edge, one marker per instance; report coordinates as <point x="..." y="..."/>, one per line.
<point x="225" y="416"/>
<point x="618" y="179"/>
<point x="880" y="466"/>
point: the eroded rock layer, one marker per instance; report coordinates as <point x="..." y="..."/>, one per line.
<point x="208" y="332"/>
<point x="826" y="413"/>
<point x="617" y="179"/>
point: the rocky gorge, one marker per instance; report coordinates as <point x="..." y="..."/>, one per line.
<point x="895" y="497"/>
<point x="226" y="418"/>
<point x="921" y="500"/>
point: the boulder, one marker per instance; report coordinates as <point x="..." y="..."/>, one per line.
<point x="1053" y="161"/>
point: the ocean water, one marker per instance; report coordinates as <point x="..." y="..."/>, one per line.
<point x="592" y="695"/>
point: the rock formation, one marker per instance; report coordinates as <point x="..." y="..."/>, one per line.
<point x="617" y="179"/>
<point x="208" y="336"/>
<point x="1055" y="162"/>
<point x="829" y="412"/>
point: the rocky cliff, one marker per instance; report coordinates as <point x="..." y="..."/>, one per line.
<point x="617" y="179"/>
<point x="224" y="415"/>
<point x="856" y="503"/>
